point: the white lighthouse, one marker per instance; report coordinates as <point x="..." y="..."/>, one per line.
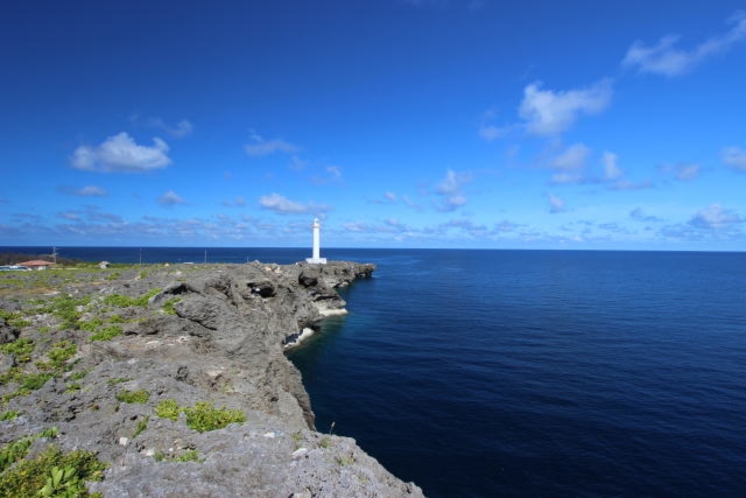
<point x="316" y="258"/>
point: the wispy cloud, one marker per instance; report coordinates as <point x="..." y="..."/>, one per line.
<point x="735" y="157"/>
<point x="715" y="217"/>
<point x="569" y="163"/>
<point x="91" y="214"/>
<point x="120" y="153"/>
<point x="640" y="215"/>
<point x="237" y="202"/>
<point x="682" y="171"/>
<point x="611" y="169"/>
<point x="664" y="58"/>
<point x="182" y="129"/>
<point x="556" y="204"/>
<point x="170" y="198"/>
<point x="260" y="147"/>
<point x="87" y="191"/>
<point x="451" y="190"/>
<point x="331" y="174"/>
<point x="282" y="205"/>
<point x="550" y="113"/>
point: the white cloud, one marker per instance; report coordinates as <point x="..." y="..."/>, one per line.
<point x="624" y="184"/>
<point x="182" y="129"/>
<point x="568" y="164"/>
<point x="171" y="198"/>
<point x="556" y="205"/>
<point x="572" y="158"/>
<point x="450" y="188"/>
<point x="664" y="58"/>
<point x="734" y="157"/>
<point x="550" y="113"/>
<point x="715" y="217"/>
<point x="91" y="191"/>
<point x="282" y="205"/>
<point x="120" y="153"/>
<point x="261" y="147"/>
<point x="491" y="132"/>
<point x="687" y="171"/>
<point x="611" y="170"/>
<point x="332" y="174"/>
<point x="640" y="215"/>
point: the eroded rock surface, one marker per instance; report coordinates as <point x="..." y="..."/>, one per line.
<point x="210" y="333"/>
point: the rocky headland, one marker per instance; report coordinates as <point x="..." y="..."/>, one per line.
<point x="171" y="381"/>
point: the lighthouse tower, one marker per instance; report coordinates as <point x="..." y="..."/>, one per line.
<point x="316" y="258"/>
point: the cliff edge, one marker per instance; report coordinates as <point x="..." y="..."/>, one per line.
<point x="175" y="378"/>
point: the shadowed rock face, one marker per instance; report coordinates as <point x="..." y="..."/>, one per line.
<point x="213" y="333"/>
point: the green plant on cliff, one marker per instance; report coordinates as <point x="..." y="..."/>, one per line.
<point x="14" y="319"/>
<point x="127" y="396"/>
<point x="21" y="349"/>
<point x="106" y="333"/>
<point x="53" y="473"/>
<point x="9" y="415"/>
<point x="140" y="427"/>
<point x="16" y="450"/>
<point x="168" y="408"/>
<point x="121" y="301"/>
<point x="68" y="309"/>
<point x="168" y="306"/>
<point x="58" y="356"/>
<point x="204" y="417"/>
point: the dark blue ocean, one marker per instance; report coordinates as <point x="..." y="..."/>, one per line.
<point x="533" y="373"/>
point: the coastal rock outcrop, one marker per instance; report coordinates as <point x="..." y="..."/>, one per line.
<point x="129" y="359"/>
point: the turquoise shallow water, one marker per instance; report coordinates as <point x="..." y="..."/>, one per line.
<point x="531" y="373"/>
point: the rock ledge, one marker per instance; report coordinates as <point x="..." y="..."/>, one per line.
<point x="211" y="333"/>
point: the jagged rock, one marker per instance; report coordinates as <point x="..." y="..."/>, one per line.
<point x="222" y="342"/>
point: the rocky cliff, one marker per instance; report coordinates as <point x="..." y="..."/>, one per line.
<point x="175" y="378"/>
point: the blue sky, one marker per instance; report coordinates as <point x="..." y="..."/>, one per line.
<point x="399" y="123"/>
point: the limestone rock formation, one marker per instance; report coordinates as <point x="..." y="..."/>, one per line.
<point x="207" y="334"/>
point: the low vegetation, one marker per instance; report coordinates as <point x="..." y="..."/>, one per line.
<point x="138" y="397"/>
<point x="201" y="417"/>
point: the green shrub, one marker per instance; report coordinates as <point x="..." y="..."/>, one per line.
<point x="127" y="396"/>
<point x="61" y="352"/>
<point x="168" y="306"/>
<point x="168" y="408"/>
<point x="12" y="375"/>
<point x="91" y="325"/>
<point x="140" y="427"/>
<point x="143" y="300"/>
<point x="75" y="376"/>
<point x="204" y="417"/>
<point x="32" y="382"/>
<point x="106" y="333"/>
<point x="21" y="349"/>
<point x="121" y="301"/>
<point x="16" y="450"/>
<point x="66" y="309"/>
<point x="9" y="415"/>
<point x="14" y="319"/>
<point x="53" y="473"/>
<point x="188" y="456"/>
